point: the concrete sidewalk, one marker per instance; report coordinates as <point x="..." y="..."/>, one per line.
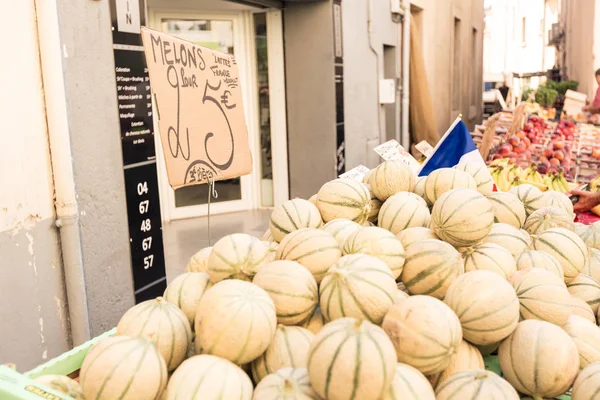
<point x="183" y="238"/>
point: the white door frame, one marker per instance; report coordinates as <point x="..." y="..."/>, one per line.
<point x="245" y="53"/>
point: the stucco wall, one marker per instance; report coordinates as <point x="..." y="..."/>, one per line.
<point x="437" y="30"/>
<point x="581" y="42"/>
<point x="363" y="67"/>
<point x="32" y="298"/>
<point x="97" y="161"/>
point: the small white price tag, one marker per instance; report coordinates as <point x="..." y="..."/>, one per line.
<point x="393" y="151"/>
<point x="356" y="173"/>
<point x="425" y="148"/>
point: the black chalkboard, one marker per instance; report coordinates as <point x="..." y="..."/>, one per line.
<point x="137" y="145"/>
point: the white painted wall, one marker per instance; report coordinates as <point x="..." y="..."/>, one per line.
<point x="25" y="172"/>
<point x="33" y="307"/>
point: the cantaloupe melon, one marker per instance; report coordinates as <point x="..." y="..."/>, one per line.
<point x="475" y="385"/>
<point x="313" y="199"/>
<point x="467" y="357"/>
<point x="340" y="229"/>
<point x="164" y="324"/>
<point x="236" y="320"/>
<point x="267" y="236"/>
<point x="199" y="260"/>
<point x="62" y="384"/>
<point x="530" y="196"/>
<point x="586" y="335"/>
<point x="583" y="309"/>
<point x="479" y="172"/>
<point x="236" y="256"/>
<point x="292" y="288"/>
<point x="508" y="209"/>
<point x="590" y="234"/>
<point x="292" y="215"/>
<point x="351" y="359"/>
<point x="409" y="384"/>
<point x="490" y="257"/>
<point x="443" y="180"/>
<point x="587" y="289"/>
<point x="206" y="377"/>
<point x="462" y="217"/>
<point x="400" y="295"/>
<point x="344" y="198"/>
<point x="391" y="177"/>
<point x="486" y="305"/>
<point x="186" y="291"/>
<point x="419" y="189"/>
<point x="358" y="286"/>
<point x="315" y="249"/>
<point x="425" y="332"/>
<point x="508" y="237"/>
<point x="592" y="264"/>
<point x="401" y="286"/>
<point x="566" y="247"/>
<point x="548" y="217"/>
<point x="272" y="246"/>
<point x="288" y="349"/>
<point x="286" y="384"/>
<point x="488" y="349"/>
<point x="557" y="199"/>
<point x="430" y="268"/>
<point x="412" y="235"/>
<point x="123" y="367"/>
<point x="375" y="205"/>
<point x="539" y="359"/>
<point x="402" y="211"/>
<point x="542" y="295"/>
<point x="540" y="259"/>
<point x="379" y="243"/>
<point x="315" y="321"/>
<point x="587" y="384"/>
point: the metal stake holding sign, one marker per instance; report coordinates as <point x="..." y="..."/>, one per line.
<point x="201" y="123"/>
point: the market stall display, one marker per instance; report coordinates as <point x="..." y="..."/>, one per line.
<point x="335" y="304"/>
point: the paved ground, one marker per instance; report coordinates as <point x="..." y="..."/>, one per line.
<point x="185" y="237"/>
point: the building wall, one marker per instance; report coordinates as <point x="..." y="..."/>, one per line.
<point x="436" y="20"/>
<point x="367" y="122"/>
<point x="579" y="21"/>
<point x="33" y="307"/>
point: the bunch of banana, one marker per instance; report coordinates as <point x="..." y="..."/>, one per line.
<point x="595" y="184"/>
<point x="556" y="182"/>
<point x="520" y="181"/>
<point x="531" y="174"/>
<point x="505" y="175"/>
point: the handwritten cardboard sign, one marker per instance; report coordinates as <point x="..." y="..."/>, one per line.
<point x="198" y="102"/>
<point x="392" y="150"/>
<point x="424" y="148"/>
<point x="356" y="173"/>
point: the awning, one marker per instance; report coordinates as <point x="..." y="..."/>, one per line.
<point x="272" y="3"/>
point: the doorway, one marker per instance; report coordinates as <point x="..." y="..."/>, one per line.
<point x="256" y="40"/>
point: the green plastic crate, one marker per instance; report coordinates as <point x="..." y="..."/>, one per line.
<point x="16" y="386"/>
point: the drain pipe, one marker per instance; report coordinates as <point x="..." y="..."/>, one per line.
<point x="51" y="53"/>
<point x="405" y="142"/>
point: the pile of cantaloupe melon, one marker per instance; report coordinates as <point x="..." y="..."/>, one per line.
<point x="393" y="288"/>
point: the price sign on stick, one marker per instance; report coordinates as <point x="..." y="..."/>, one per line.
<point x="198" y="102"/>
<point x="392" y="150"/>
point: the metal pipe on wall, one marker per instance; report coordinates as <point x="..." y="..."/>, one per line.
<point x="67" y="213"/>
<point x="406" y="76"/>
<point x="380" y="115"/>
